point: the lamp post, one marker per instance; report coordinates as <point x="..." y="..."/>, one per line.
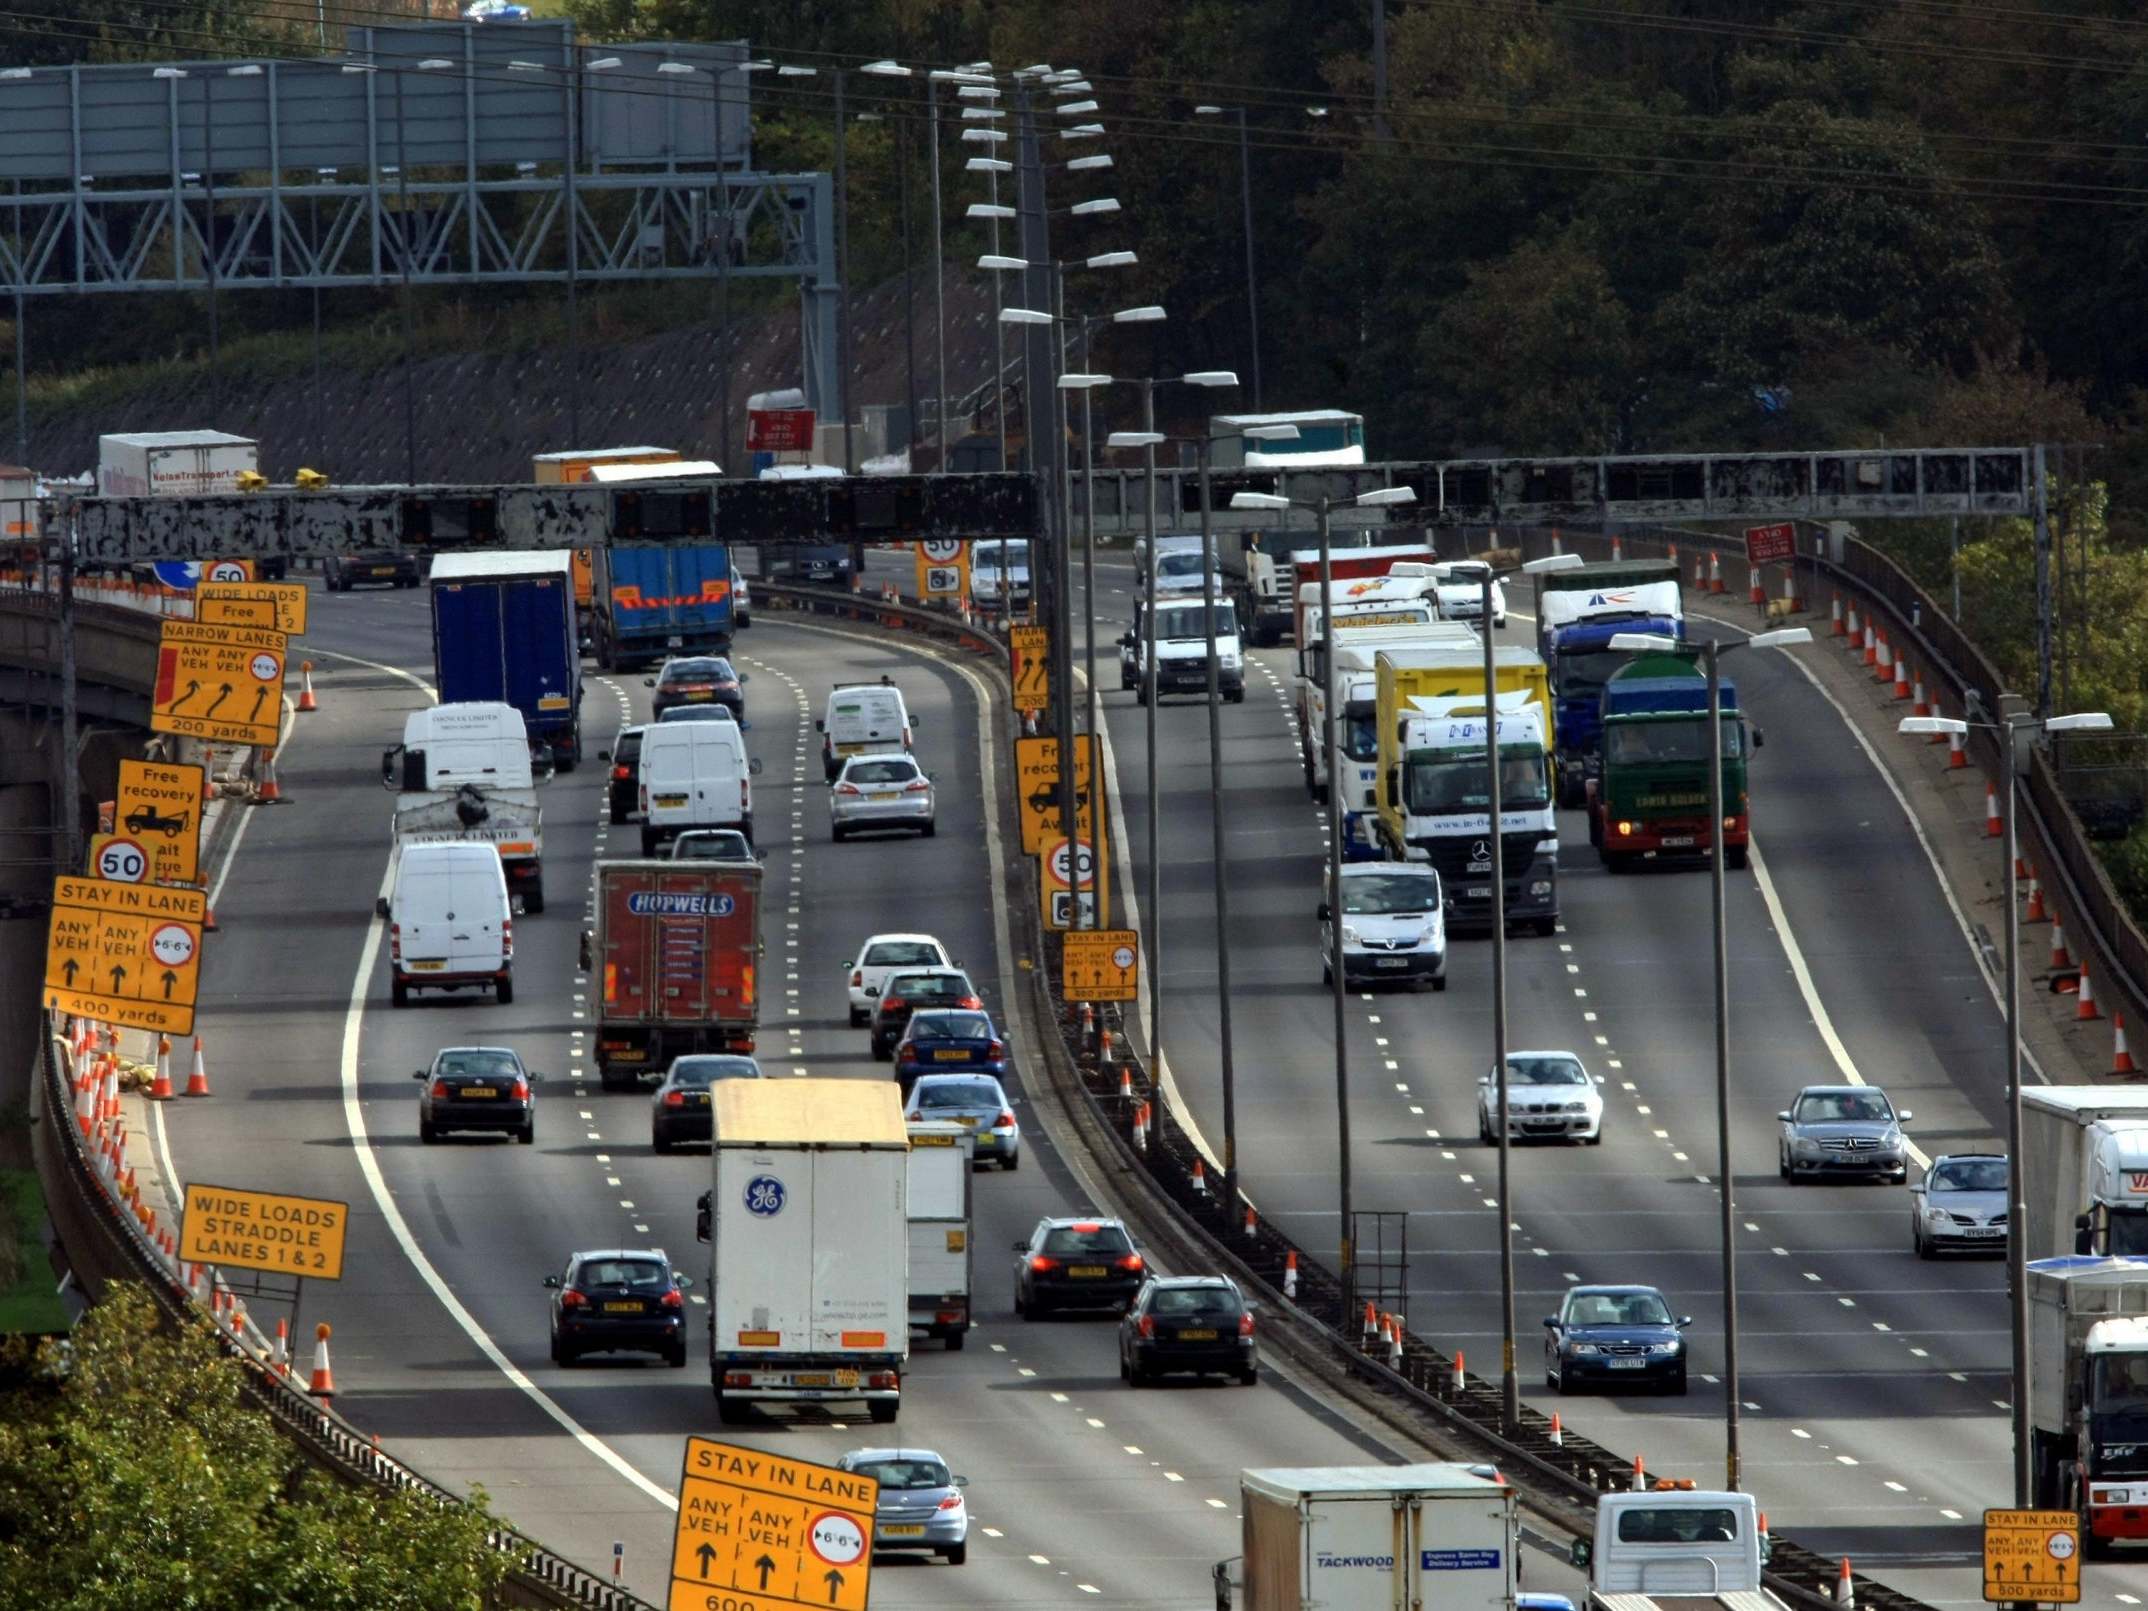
<point x="1245" y="191"/>
<point x="1333" y="906"/>
<point x="1711" y="657"/>
<point x="2013" y="730"/>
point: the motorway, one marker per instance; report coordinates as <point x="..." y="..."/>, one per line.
<point x="1873" y="1386"/>
<point x="1080" y="1493"/>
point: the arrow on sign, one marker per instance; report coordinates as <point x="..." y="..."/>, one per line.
<point x="170" y="979"/>
<point x="119" y="975"/>
<point x="223" y="693"/>
<point x="765" y="1566"/>
<point x="834" y="1580"/>
<point x="707" y="1552"/>
<point x="192" y="689"/>
<point x="69" y="969"/>
<point x="254" y="715"/>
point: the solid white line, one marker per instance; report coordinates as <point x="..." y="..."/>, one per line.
<point x="410" y="677"/>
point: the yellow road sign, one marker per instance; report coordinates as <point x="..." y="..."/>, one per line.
<point x="159" y="809"/>
<point x="1100" y="965"/>
<point x="757" y="1532"/>
<point x="2033" y="1556"/>
<point x="943" y="568"/>
<point x="264" y="1231"/>
<point x="240" y="603"/>
<point x="1062" y="872"/>
<point x="1036" y="783"/>
<point x="1030" y="647"/>
<point x="221" y="682"/>
<point x="125" y="953"/>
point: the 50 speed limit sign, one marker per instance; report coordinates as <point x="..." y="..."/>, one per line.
<point x="941" y="550"/>
<point x="1065" y="866"/>
<point x="121" y="861"/>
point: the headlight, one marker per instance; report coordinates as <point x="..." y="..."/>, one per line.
<point x="1962" y="1219"/>
<point x="1541" y="886"/>
<point x="1577" y="1107"/>
<point x="1582" y="1348"/>
<point x="1547" y="847"/>
<point x="1349" y="935"/>
<point x="1429" y="935"/>
<point x="1806" y="1144"/>
<point x="1670" y="1347"/>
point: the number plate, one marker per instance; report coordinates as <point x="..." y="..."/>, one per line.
<point x="846" y="1378"/>
<point x="950" y="1057"/>
<point x="903" y="1530"/>
<point x="670" y="802"/>
<point x="1985" y="1230"/>
<point x="633" y="1308"/>
<point x="427" y="967"/>
<point x="479" y="1091"/>
<point x="1479" y="892"/>
<point x="383" y="570"/>
<point x="1198" y="1334"/>
<point x="817" y="1379"/>
<point x="1677" y="841"/>
<point x="1390" y="962"/>
<point x="697" y="1099"/>
<point x="883" y="794"/>
<point x="1627" y="1364"/>
<point x="1087" y="1272"/>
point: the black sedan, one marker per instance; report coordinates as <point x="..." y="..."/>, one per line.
<point x="679" y="1110"/>
<point x="476" y="1088"/>
<point x="697" y="680"/>
<point x="1612" y="1336"/>
<point x="907" y="993"/>
<point x="1076" y="1264"/>
<point x="1194" y="1323"/>
<point x="625" y="759"/>
<point x="618" y="1300"/>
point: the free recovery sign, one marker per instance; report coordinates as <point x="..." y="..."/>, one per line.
<point x="758" y="1532"/>
<point x="263" y="1231"/>
<point x="125" y="953"/>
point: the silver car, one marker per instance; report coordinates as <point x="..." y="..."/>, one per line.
<point x="713" y="844"/>
<point x="881" y="791"/>
<point x="1960" y="1203"/>
<point x="1843" y="1130"/>
<point x="977" y="1103"/>
<point x="920" y="1504"/>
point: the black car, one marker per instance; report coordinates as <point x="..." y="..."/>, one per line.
<point x="618" y="1300"/>
<point x="625" y="759"/>
<point x="906" y="993"/>
<point x="477" y="1088"/>
<point x="1615" y="1335"/>
<point x="1196" y="1323"/>
<point x="680" y="1110"/>
<point x="697" y="680"/>
<point x="1076" y="1264"/>
<point x="342" y="572"/>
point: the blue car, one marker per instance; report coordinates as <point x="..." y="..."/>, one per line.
<point x="1615" y="1335"/>
<point x="949" y="1041"/>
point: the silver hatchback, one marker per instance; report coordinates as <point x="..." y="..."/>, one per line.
<point x="920" y="1506"/>
<point x="881" y="791"/>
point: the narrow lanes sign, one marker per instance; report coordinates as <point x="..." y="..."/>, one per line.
<point x="758" y="1532"/>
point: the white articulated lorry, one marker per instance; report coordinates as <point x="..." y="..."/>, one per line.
<point x="463" y="774"/>
<point x="2085" y="1169"/>
<point x="1374" y="1538"/>
<point x="941" y="1158"/>
<point x="809" y="1245"/>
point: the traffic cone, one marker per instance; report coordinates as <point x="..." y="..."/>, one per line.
<point x="1883" y="658"/>
<point x="1141" y="1127"/>
<point x="1088" y="1023"/>
<point x="267" y="791"/>
<point x="1700" y="577"/>
<point x="1640" y="1476"/>
<point x="1290" y="1275"/>
<point x="1126" y="1085"/>
<point x="1957" y="753"/>
<point x="306" y="701"/>
<point x="1104" y="1045"/>
<point x="2060" y="961"/>
<point x="1558" y="1433"/>
<point x="2084" y="1004"/>
<point x="2021" y="868"/>
<point x="1846" y="1586"/>
<point x="85" y="1102"/>
<point x="1791" y="601"/>
<point x="1200" y="1178"/>
<point x="160" y="1089"/>
<point x="1937" y="738"/>
<point x="1871" y="646"/>
<point x="197" y="1080"/>
<point x="2121" y="1059"/>
<point x="281" y="1358"/>
<point x="1901" y="677"/>
<point x="127" y="1189"/>
<point x="1994" y="826"/>
<point x="1855" y="632"/>
<point x="1835" y="628"/>
<point x="1715" y="572"/>
<point x="1923" y="706"/>
<point x="2036" y="912"/>
<point x="1372" y="1323"/>
<point x="1394" y="1343"/>
<point x="1756" y="591"/>
<point x="1252" y="1223"/>
<point x="1616" y="555"/>
<point x="209" y="924"/>
<point x="323" y="1385"/>
<point x="1461" y="1374"/>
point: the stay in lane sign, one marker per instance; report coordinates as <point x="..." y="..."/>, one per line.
<point x="758" y="1532"/>
<point x="220" y="682"/>
<point x="1099" y="965"/>
<point x="125" y="953"/>
<point x="2033" y="1556"/>
<point x="158" y="808"/>
<point x="264" y="1231"/>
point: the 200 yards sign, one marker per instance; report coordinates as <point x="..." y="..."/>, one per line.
<point x="219" y="682"/>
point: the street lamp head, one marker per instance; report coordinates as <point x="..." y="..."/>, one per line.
<point x="1082" y="131"/>
<point x="1151" y="314"/>
<point x="167" y="72"/>
<point x="1208" y="111"/>
<point x="1023" y="316"/>
<point x="1079" y="86"/>
<point x="1077" y="108"/>
<point x="1385" y="495"/>
<point x="1089" y="164"/>
<point x="244" y="70"/>
<point x="1931" y="724"/>
<point x="1096" y="208"/>
<point x="603" y="64"/>
<point x="977" y="92"/>
<point x="982" y="114"/>
<point x="1210" y="377"/>
<point x="1082" y="383"/>
<point x="886" y="69"/>
<point x="986" y="209"/>
<point x="984" y="136"/>
<point x="788" y="71"/>
<point x="1643" y="642"/>
<point x="1134" y="439"/>
<point x="1780" y="638"/>
<point x="988" y="165"/>
<point x="1552" y="562"/>
<point x="674" y="67"/>
<point x="2086" y="721"/>
<point x="1258" y="500"/>
<point x="992" y="260"/>
<point x="1111" y="260"/>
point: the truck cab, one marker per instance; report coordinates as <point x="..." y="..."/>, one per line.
<point x="2088" y="1394"/>
<point x="466" y="773"/>
<point x="1673" y="1545"/>
<point x="1649" y="799"/>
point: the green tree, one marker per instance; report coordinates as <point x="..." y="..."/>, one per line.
<point x="135" y="1475"/>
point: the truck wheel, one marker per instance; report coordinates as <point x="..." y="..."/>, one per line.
<point x="1237" y="696"/>
<point x="955" y="1339"/>
<point x="504" y="992"/>
<point x="730" y="1412"/>
<point x="651" y="839"/>
<point x="1734" y="858"/>
<point x="1546" y="926"/>
<point x="398" y="992"/>
<point x="533" y="898"/>
<point x="884" y="1410"/>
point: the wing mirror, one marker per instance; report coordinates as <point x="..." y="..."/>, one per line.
<point x="819" y="725"/>
<point x="1903" y="1115"/>
<point x="701" y="1217"/>
<point x="1551" y="1322"/>
<point x="1759" y="738"/>
<point x="753" y="767"/>
<point x="1021" y="1247"/>
<point x="648" y="682"/>
<point x="1325" y="912"/>
<point x="1684" y="1321"/>
<point x="682" y="1282"/>
<point x="604" y="755"/>
<point x="913" y="721"/>
<point x="589" y="942"/>
<point x="552" y="1282"/>
<point x="380" y="906"/>
<point x="1581" y="1553"/>
<point x="1784" y="1116"/>
<point x="387" y="767"/>
<point x="417" y="1074"/>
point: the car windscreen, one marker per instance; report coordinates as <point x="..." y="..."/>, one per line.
<point x="712" y="847"/>
<point x="1183" y="562"/>
<point x="959" y="1094"/>
<point x="636" y="1275"/>
<point x="703" y="1070"/>
<point x="697" y="713"/>
<point x="1179" y="1303"/>
<point x="627" y="749"/>
<point x="1433" y="786"/>
<point x="1617" y="1309"/>
<point x="1176" y="623"/>
<point x="1544" y="1071"/>
<point x="1360" y="735"/>
<point x="1375" y="893"/>
<point x="1685" y="739"/>
<point x="1583" y="673"/>
<point x="468" y="1065"/>
<point x="1843" y="1107"/>
<point x="950" y="1026"/>
<point x="1681" y="1524"/>
<point x="1088" y="1238"/>
<point x="928" y="987"/>
<point x="907" y="1472"/>
<point x="901" y="953"/>
<point x="1969" y="1174"/>
<point x="880" y="772"/>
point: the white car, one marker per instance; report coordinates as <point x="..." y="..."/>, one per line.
<point x="1459" y="584"/>
<point x="882" y="955"/>
<point x="1550" y="1096"/>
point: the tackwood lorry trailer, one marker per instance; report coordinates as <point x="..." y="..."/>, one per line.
<point x="1374" y="1538"/>
<point x="1676" y="1550"/>
<point x="463" y="773"/>
<point x="2084" y="1169"/>
<point x="2088" y="1394"/>
<point x="676" y="956"/>
<point x="1578" y="613"/>
<point x="504" y="628"/>
<point x="1649" y="798"/>
<point x="1435" y="789"/>
<point x="941" y="1156"/>
<point x="808" y="1230"/>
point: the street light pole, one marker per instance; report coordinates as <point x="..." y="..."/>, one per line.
<point x="2017" y="1255"/>
<point x="1215" y="818"/>
<point x="1148" y="701"/>
<point x="939" y="284"/>
<point x="1338" y="985"/>
<point x="1731" y="1458"/>
<point x="1509" y="1384"/>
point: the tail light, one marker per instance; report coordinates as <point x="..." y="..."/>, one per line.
<point x="1146" y="1325"/>
<point x="890" y="1003"/>
<point x="1245" y="1324"/>
<point x="645" y="797"/>
<point x="745" y="796"/>
<point x="1132" y="1261"/>
<point x="951" y="1502"/>
<point x="440" y="1090"/>
<point x="622" y="773"/>
<point x="674" y="1299"/>
<point x="507" y="936"/>
<point x="395" y="942"/>
<point x="848" y="788"/>
<point x="1042" y="1265"/>
<point x="918" y="786"/>
<point x="737" y="1378"/>
<point x="913" y="1116"/>
<point x="522" y="1089"/>
<point x="970" y="1002"/>
<point x="996" y="1049"/>
<point x="674" y="1099"/>
<point x="571" y="1299"/>
<point x="857" y="979"/>
<point x="1004" y="1121"/>
<point x="883" y="1378"/>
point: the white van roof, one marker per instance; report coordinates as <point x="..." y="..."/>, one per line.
<point x="457" y="853"/>
<point x="604" y="474"/>
<point x="512" y="562"/>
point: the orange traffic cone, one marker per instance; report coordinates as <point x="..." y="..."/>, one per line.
<point x="1901" y="676"/>
<point x="2036" y="912"/>
<point x="306" y="701"/>
<point x="1957" y="753"/>
<point x="1558" y="1433"/>
<point x="160" y="1089"/>
<point x="1461" y="1373"/>
<point x="267" y="791"/>
<point x="1252" y="1222"/>
<point x="1640" y="1476"/>
<point x="1846" y="1586"/>
<point x="1994" y="827"/>
<point x="1922" y="706"/>
<point x="1290" y="1275"/>
<point x="2059" y="959"/>
<point x="1394" y="1343"/>
<point x="323" y="1385"/>
<point x="1835" y="628"/>
<point x="1856" y="632"/>
<point x="1200" y="1178"/>
<point x="1616" y="554"/>
<point x="209" y="924"/>
<point x="2121" y="1059"/>
<point x="2084" y="1004"/>
<point x="1791" y="601"/>
<point x="1700" y="577"/>
<point x="1126" y="1074"/>
<point x="281" y="1358"/>
<point x="1756" y="591"/>
<point x="1715" y="573"/>
<point x="1883" y="658"/>
<point x="197" y="1080"/>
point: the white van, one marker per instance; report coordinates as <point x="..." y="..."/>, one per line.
<point x="863" y="719"/>
<point x="694" y="775"/>
<point x="449" y="924"/>
<point x="999" y="575"/>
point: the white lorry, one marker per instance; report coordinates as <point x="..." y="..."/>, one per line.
<point x="941" y="1156"/>
<point x="1374" y="1538"/>
<point x="2085" y="1166"/>
<point x="463" y="774"/>
<point x="1676" y="1548"/>
<point x="2088" y="1394"/>
<point x="182" y="464"/>
<point x="809" y="1245"/>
